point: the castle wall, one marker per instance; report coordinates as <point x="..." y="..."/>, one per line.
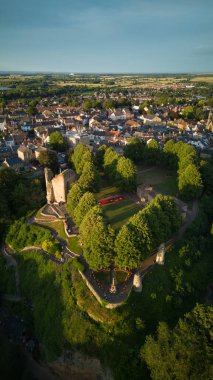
<point x="58" y="186"/>
<point x="49" y="189"/>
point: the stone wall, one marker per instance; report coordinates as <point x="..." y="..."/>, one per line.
<point x="58" y="186"/>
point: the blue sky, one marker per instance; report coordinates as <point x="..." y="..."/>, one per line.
<point x="106" y="35"/>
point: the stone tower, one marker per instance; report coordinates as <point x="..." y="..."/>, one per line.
<point x="58" y="186"/>
<point x="49" y="188"/>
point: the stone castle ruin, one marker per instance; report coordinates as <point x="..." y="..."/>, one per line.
<point x="59" y="185"/>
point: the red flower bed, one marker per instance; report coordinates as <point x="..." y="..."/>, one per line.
<point x="107" y="201"/>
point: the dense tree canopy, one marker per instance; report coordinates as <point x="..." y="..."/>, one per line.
<point x="110" y="163"/>
<point x="89" y="179"/>
<point x="134" y="149"/>
<point x="86" y="203"/>
<point x="190" y="183"/>
<point x="18" y="195"/>
<point x="100" y="156"/>
<point x="145" y="231"/>
<point x="97" y="239"/>
<point x="184" y="352"/>
<point x="80" y="156"/>
<point x="119" y="170"/>
<point x="57" y="141"/>
<point x="73" y="197"/>
<point x="49" y="159"/>
<point x="152" y="152"/>
<point x="125" y="174"/>
<point x="184" y="158"/>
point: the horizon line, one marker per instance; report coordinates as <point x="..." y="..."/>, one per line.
<point x="104" y="72"/>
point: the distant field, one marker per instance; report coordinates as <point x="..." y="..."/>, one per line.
<point x="136" y="81"/>
<point x="72" y="83"/>
<point x="203" y="79"/>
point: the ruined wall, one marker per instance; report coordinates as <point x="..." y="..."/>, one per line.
<point x="58" y="186"/>
<point x="62" y="183"/>
<point x="49" y="189"/>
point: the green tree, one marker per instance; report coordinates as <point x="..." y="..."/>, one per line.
<point x="100" y="156"/>
<point x="97" y="239"/>
<point x="184" y="352"/>
<point x="89" y="179"/>
<point x="207" y="174"/>
<point x="73" y="197"/>
<point x="86" y="203"/>
<point x="169" y="155"/>
<point x="52" y="247"/>
<point x="110" y="162"/>
<point x="132" y="245"/>
<point x="145" y="231"/>
<point x="188" y="113"/>
<point x="134" y="149"/>
<point x="110" y="104"/>
<point x="57" y="141"/>
<point x="152" y="152"/>
<point x="49" y="159"/>
<point x="190" y="183"/>
<point x="125" y="174"/>
<point x="80" y="155"/>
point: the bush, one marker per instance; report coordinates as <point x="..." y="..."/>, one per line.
<point x="21" y="235"/>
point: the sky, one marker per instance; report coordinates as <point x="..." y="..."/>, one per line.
<point x="111" y="36"/>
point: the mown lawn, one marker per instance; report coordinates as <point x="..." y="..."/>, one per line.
<point x="72" y="242"/>
<point x="162" y="180"/>
<point x="107" y="191"/>
<point x="118" y="213"/>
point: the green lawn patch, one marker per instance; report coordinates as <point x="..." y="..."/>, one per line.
<point x="73" y="244"/>
<point x="38" y="214"/>
<point x="168" y="186"/>
<point x="119" y="213"/>
<point x="103" y="277"/>
<point x="120" y="276"/>
<point x="162" y="180"/>
<point x="106" y="190"/>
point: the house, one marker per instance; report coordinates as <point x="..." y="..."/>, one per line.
<point x="26" y="127"/>
<point x="24" y="153"/>
<point x="118" y="115"/>
<point x="39" y="150"/>
<point x="9" y="141"/>
<point x="150" y="119"/>
<point x="182" y="124"/>
<point x="132" y="124"/>
<point x="14" y="163"/>
<point x="5" y="152"/>
<point x="3" y="124"/>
